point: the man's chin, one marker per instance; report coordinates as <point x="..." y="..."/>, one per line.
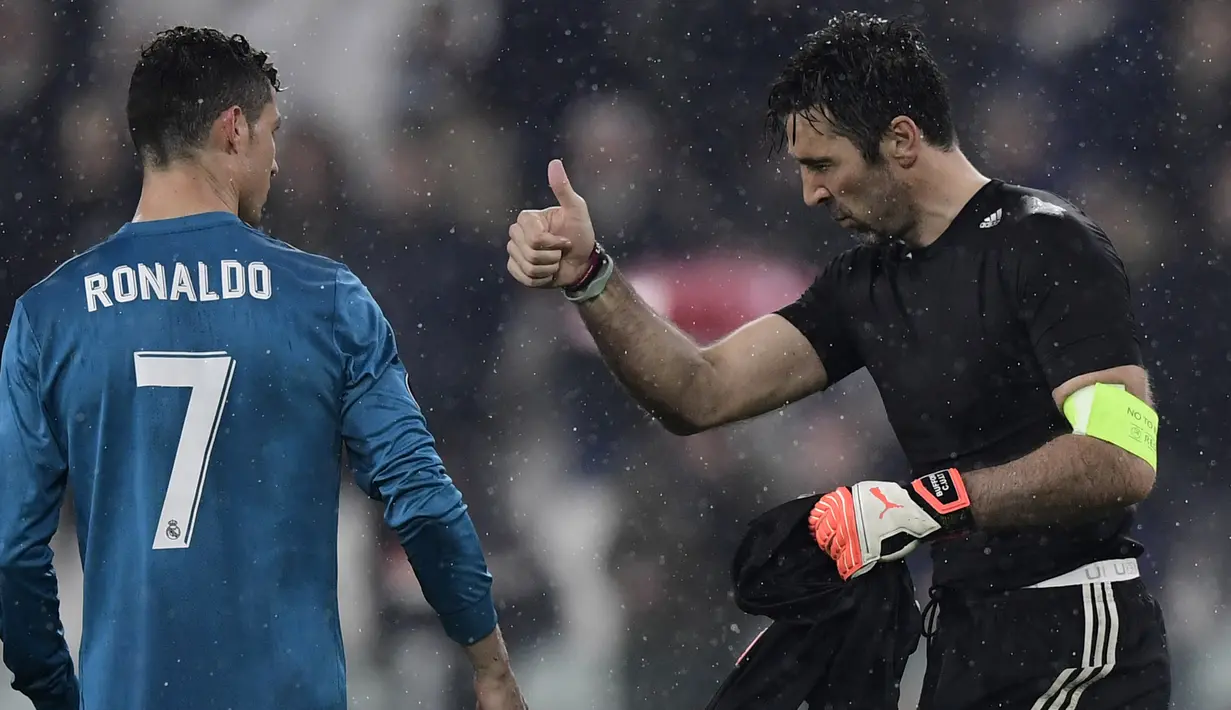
<point x="868" y="237"/>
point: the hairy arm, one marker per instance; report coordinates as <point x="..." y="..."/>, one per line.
<point x="1070" y="479"/>
<point x="1075" y="302"/>
<point x="760" y="367"/>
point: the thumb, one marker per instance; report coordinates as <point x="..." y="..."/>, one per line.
<point x="558" y="179"/>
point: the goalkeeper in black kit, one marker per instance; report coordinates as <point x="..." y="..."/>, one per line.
<point x="996" y="322"/>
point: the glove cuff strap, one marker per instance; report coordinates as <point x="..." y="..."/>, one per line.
<point x="943" y="495"/>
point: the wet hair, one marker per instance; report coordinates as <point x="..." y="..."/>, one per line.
<point x="859" y="73"/>
<point x="183" y="80"/>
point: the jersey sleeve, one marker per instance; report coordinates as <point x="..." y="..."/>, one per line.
<point x="819" y="315"/>
<point x="395" y="461"/>
<point x="1074" y="297"/>
<point x="33" y="476"/>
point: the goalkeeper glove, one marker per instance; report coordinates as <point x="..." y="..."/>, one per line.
<point x="878" y="520"/>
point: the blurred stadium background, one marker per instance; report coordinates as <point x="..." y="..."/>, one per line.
<point x="417" y="129"/>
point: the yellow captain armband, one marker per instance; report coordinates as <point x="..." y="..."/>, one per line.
<point x="1113" y="414"/>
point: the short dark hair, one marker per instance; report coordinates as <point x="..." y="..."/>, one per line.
<point x="860" y="72"/>
<point x="183" y="80"/>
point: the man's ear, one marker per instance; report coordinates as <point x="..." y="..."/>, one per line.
<point x="234" y="128"/>
<point x="902" y="142"/>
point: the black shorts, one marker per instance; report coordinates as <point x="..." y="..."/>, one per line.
<point x="1087" y="647"/>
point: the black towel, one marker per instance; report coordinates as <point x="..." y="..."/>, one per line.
<point x="835" y="645"/>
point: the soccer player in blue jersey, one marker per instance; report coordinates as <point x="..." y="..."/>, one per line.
<point x="198" y="384"/>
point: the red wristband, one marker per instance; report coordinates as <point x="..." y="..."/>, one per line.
<point x="591" y="269"/>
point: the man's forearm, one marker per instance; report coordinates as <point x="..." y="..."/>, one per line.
<point x="1069" y="480"/>
<point x="662" y="367"/>
<point x="444" y="549"/>
<point x="489" y="656"/>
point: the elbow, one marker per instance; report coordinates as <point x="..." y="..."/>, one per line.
<point x="699" y="407"/>
<point x="680" y="426"/>
<point x="696" y="417"/>
<point x="1134" y="477"/>
<point x="1123" y="478"/>
<point x="1139" y="481"/>
<point x="19" y="558"/>
<point x="423" y="508"/>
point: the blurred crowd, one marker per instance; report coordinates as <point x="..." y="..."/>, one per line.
<point x="418" y="128"/>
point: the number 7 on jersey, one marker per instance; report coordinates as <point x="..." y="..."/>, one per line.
<point x="208" y="376"/>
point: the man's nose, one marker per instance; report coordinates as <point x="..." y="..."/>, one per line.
<point x="815" y="195"/>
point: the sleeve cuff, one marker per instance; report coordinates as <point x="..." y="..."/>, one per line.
<point x="69" y="700"/>
<point x="65" y="693"/>
<point x="471" y="624"/>
<point x="825" y="342"/>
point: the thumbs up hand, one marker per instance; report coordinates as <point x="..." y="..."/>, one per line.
<point x="551" y="247"/>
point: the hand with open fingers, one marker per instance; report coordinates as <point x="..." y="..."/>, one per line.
<point x="552" y="247"/>
<point x="878" y="520"/>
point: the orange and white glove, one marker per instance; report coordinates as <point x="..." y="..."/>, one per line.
<point x="878" y="520"/>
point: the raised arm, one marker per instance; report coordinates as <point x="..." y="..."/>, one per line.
<point x="760" y="367"/>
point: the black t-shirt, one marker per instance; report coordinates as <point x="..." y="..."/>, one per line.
<point x="966" y="339"/>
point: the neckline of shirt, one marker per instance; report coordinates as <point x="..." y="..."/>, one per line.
<point x="967" y="218"/>
<point x="172" y="225"/>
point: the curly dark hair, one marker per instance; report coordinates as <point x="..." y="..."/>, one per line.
<point x="184" y="78"/>
<point x="860" y="72"/>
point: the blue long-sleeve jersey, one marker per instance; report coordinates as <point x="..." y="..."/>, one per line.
<point x="197" y="384"/>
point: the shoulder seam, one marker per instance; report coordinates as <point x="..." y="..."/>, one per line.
<point x="62" y="266"/>
<point x="1068" y="218"/>
<point x="38" y="347"/>
<point x="1061" y="210"/>
<point x="19" y="311"/>
<point x="333" y="319"/>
